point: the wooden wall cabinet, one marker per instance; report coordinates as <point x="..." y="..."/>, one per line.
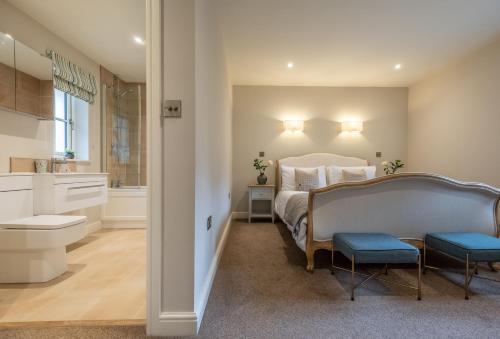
<point x="7" y="73"/>
<point x="25" y="80"/>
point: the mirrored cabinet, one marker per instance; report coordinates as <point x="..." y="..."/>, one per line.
<point x="26" y="85"/>
<point x="7" y="73"/>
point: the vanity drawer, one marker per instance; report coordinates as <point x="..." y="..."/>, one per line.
<point x="70" y="197"/>
<point x="262" y="193"/>
<point x="57" y="193"/>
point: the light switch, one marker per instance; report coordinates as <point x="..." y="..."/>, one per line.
<point x="172" y="109"/>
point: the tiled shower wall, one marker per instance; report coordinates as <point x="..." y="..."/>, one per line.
<point x="136" y="168"/>
<point x="132" y="106"/>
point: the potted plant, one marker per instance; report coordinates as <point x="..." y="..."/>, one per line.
<point x="259" y="166"/>
<point x="69" y="154"/>
<point x="391" y="167"/>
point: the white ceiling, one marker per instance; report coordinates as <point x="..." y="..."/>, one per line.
<point x="351" y="43"/>
<point x="330" y="42"/>
<point x="101" y="29"/>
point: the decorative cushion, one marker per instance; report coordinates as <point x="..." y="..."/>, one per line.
<point x="306" y="179"/>
<point x="353" y="175"/>
<point x="288" y="177"/>
<point x="481" y="247"/>
<point x="334" y="173"/>
<point x="375" y="248"/>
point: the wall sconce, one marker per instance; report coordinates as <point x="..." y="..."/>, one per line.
<point x="294" y="125"/>
<point x="352" y="126"/>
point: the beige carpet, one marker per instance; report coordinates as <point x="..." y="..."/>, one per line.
<point x="262" y="290"/>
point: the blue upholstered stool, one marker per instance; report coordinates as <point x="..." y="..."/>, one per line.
<point x="468" y="247"/>
<point x="375" y="248"/>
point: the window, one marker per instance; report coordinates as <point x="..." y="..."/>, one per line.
<point x="63" y="122"/>
<point x="71" y="125"/>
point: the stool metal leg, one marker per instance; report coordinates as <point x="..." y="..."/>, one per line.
<point x="466" y="283"/>
<point x="476" y="269"/>
<point x="386" y="268"/>
<point x="352" y="277"/>
<point x="419" y="288"/>
<point x="425" y="257"/>
<point x="332" y="270"/>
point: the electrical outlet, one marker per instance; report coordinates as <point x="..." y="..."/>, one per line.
<point x="261" y="154"/>
<point x="378" y="154"/>
<point x="209" y="222"/>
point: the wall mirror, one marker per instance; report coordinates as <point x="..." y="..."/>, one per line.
<point x="7" y="73"/>
<point x="34" y="89"/>
<point x="25" y="80"/>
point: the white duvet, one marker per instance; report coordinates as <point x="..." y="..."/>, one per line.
<point x="279" y="206"/>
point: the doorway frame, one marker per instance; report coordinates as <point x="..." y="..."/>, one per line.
<point x="154" y="83"/>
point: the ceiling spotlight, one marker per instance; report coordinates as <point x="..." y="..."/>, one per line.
<point x="289" y="65"/>
<point x="9" y="36"/>
<point x="397" y="67"/>
<point x="138" y="40"/>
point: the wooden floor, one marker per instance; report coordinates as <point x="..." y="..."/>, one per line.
<point x="106" y="280"/>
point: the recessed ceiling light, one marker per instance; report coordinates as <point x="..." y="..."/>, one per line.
<point x="289" y="65"/>
<point x="138" y="40"/>
<point x="397" y="67"/>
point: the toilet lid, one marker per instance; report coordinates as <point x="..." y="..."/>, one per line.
<point x="44" y="222"/>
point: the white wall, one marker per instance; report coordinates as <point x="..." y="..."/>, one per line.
<point x="454" y="120"/>
<point x="259" y="112"/>
<point x="196" y="170"/>
<point x="179" y="161"/>
<point x="27" y="137"/>
<point x="213" y="146"/>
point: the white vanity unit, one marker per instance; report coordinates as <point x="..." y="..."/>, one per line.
<point x="56" y="193"/>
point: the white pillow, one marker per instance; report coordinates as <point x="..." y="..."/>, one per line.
<point x="306" y="179"/>
<point x="353" y="175"/>
<point x="334" y="173"/>
<point x="288" y="177"/>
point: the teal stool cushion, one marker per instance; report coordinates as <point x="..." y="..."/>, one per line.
<point x="481" y="247"/>
<point x="375" y="248"/>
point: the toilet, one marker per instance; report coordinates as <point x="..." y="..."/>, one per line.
<point x="32" y="248"/>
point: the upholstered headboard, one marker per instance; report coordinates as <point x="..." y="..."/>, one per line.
<point x="315" y="160"/>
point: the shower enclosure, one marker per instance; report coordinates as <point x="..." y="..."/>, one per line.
<point x="124" y="133"/>
<point x="123" y="121"/>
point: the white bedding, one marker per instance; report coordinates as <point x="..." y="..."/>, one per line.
<point x="279" y="206"/>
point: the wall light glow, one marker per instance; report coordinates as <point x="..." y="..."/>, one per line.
<point x="352" y="126"/>
<point x="294" y="125"/>
<point x="138" y="40"/>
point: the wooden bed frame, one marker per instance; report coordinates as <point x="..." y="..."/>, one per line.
<point x="383" y="186"/>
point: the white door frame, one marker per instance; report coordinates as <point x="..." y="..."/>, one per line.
<point x="154" y="80"/>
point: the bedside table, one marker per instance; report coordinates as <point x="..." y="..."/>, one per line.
<point x="260" y="192"/>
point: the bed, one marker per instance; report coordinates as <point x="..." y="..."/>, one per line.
<point x="407" y="205"/>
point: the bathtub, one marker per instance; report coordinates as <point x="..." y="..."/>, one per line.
<point x="126" y="208"/>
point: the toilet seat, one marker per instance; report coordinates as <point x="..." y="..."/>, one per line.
<point x="43" y="222"/>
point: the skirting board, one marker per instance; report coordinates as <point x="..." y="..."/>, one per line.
<point x="240" y="215"/>
<point x="175" y="323"/>
<point x="209" y="279"/>
<point x="94" y="226"/>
